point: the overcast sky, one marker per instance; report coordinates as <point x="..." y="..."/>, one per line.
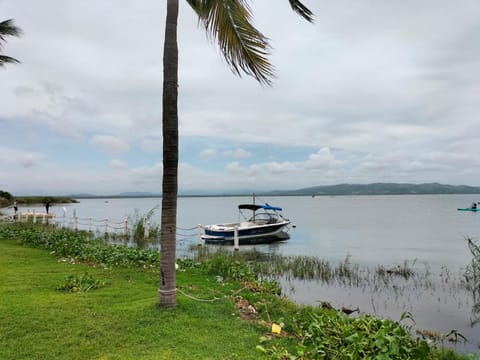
<point x="373" y="91"/>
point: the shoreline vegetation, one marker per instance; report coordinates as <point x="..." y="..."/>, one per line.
<point x="34" y="200"/>
<point x="7" y="199"/>
<point x="101" y="298"/>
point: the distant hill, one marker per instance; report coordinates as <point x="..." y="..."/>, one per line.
<point x="135" y="194"/>
<point x="382" y="189"/>
<point x="339" y="189"/>
<point x="81" y="196"/>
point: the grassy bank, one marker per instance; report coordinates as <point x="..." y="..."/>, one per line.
<point x="117" y="321"/>
<point x="223" y="312"/>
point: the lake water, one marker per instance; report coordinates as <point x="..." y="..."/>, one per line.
<point x="425" y="230"/>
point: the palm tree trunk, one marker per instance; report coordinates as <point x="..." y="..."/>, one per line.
<point x="167" y="292"/>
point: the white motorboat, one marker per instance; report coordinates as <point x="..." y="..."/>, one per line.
<point x="266" y="225"/>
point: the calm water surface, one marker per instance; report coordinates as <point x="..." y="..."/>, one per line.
<point x="371" y="229"/>
<point x="425" y="230"/>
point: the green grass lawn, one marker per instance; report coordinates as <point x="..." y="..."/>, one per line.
<point x="117" y="321"/>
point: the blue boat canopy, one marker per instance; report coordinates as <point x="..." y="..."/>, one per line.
<point x="268" y="207"/>
<point x="255" y="207"/>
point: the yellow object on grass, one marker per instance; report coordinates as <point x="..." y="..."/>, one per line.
<point x="276" y="329"/>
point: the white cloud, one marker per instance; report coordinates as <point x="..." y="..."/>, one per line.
<point x="322" y="159"/>
<point x="110" y="144"/>
<point x="234" y="167"/>
<point x="117" y="164"/>
<point x="212" y="153"/>
<point x="208" y="153"/>
<point x="383" y="90"/>
<point x="47" y="103"/>
<point x="152" y="146"/>
<point x="22" y="158"/>
<point x="277" y="168"/>
<point x="148" y="173"/>
<point x="238" y="153"/>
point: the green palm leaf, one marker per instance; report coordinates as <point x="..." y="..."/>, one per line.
<point x="302" y="10"/>
<point x="7" y="60"/>
<point x="7" y="28"/>
<point x="243" y="46"/>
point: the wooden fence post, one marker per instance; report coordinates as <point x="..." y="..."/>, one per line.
<point x="146" y="228"/>
<point x="236" y="241"/>
<point x="64" y="223"/>
<point x="125" y="223"/>
<point x="75" y="219"/>
<point x="199" y="231"/>
<point x="106" y="227"/>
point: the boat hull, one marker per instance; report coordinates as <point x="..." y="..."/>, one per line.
<point x="262" y="239"/>
<point x="469" y="209"/>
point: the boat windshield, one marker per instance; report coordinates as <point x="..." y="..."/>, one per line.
<point x="264" y="218"/>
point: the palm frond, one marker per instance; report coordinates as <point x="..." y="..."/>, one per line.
<point x="301" y="10"/>
<point x="243" y="46"/>
<point x="8" y="28"/>
<point x="7" y="60"/>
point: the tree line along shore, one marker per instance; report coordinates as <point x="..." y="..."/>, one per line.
<point x="7" y="199"/>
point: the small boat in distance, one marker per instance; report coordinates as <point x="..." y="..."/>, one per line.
<point x="266" y="225"/>
<point x="473" y="207"/>
<point x="469" y="209"/>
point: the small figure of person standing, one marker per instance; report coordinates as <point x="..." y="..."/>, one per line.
<point x="47" y="201"/>
<point x="15" y="210"/>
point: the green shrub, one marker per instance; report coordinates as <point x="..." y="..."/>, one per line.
<point x="330" y="334"/>
<point x="85" y="282"/>
<point x="78" y="247"/>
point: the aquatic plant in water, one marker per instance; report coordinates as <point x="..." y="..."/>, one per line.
<point x="143" y="232"/>
<point x="471" y="279"/>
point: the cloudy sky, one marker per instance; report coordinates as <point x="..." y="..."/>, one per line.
<point x="373" y="91"/>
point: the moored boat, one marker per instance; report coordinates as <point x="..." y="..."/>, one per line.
<point x="266" y="225"/>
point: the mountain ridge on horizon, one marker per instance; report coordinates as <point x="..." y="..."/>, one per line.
<point x="377" y="188"/>
<point x="380" y="188"/>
